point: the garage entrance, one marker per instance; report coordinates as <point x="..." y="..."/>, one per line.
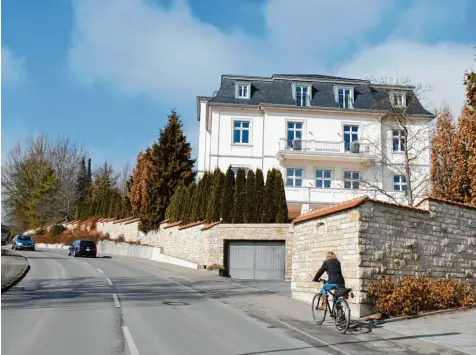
<point x="256" y="260"/>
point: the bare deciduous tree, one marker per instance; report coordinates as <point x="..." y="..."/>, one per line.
<point x="400" y="143"/>
<point x="20" y="174"/>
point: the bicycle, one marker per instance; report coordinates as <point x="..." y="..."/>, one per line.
<point x="338" y="310"/>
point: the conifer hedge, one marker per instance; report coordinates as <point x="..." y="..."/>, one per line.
<point x="241" y="199"/>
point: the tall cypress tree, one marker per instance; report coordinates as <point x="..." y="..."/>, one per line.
<point x="171" y="166"/>
<point x="258" y="196"/>
<point x="89" y="176"/>
<point x="188" y="206"/>
<point x="173" y="210"/>
<point x="269" y="208"/>
<point x="239" y="199"/>
<point x="213" y="208"/>
<point x="280" y="198"/>
<point x="82" y="180"/>
<point x="227" y="200"/>
<point x="197" y="201"/>
<point x="250" y="197"/>
<point x="201" y="205"/>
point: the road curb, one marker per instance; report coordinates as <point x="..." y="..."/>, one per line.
<point x="20" y="276"/>
<point x="441" y="311"/>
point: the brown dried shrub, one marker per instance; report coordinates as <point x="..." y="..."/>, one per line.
<point x="417" y="295"/>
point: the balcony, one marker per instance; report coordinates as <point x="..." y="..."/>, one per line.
<point x="323" y="150"/>
<point x="329" y="196"/>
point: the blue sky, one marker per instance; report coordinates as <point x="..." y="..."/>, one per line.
<point x="107" y="72"/>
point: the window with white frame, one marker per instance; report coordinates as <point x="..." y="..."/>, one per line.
<point x="323" y="179"/>
<point x="294" y="177"/>
<point x="351" y="180"/>
<point x="235" y="169"/>
<point x="398" y="141"/>
<point x="241" y="132"/>
<point x="294" y="131"/>
<point x="351" y="134"/>
<point x="344" y="97"/>
<point x="399" y="183"/>
<point x="302" y="94"/>
<point x="242" y="91"/>
<point x="398" y="99"/>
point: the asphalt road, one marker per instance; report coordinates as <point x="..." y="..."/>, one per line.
<point x="104" y="306"/>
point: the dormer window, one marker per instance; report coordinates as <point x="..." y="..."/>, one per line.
<point x="242" y="90"/>
<point x="302" y="95"/>
<point x="345" y="97"/>
<point x="398" y="99"/>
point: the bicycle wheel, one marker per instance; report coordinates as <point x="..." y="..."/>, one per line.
<point x="342" y="316"/>
<point x="318" y="315"/>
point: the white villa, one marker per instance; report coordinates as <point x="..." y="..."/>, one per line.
<point x="331" y="137"/>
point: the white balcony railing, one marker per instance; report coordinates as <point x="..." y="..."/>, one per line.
<point x="324" y="147"/>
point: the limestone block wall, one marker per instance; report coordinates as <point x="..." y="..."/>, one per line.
<point x="440" y="239"/>
<point x="200" y="243"/>
<point x="313" y="239"/>
<point x="372" y="238"/>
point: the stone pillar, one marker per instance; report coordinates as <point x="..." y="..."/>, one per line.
<point x="305" y="208"/>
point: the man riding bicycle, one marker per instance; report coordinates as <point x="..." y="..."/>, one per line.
<point x="332" y="266"/>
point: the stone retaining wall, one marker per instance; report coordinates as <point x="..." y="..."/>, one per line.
<point x="198" y="242"/>
<point x="372" y="239"/>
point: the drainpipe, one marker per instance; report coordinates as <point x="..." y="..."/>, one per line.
<point x="262" y="142"/>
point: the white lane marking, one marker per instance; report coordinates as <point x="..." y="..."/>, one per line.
<point x="116" y="301"/>
<point x="109" y="281"/>
<point x="100" y="270"/>
<point x="185" y="278"/>
<point x="127" y="261"/>
<point x="85" y="262"/>
<point x="130" y="341"/>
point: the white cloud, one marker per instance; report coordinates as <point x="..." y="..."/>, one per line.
<point x="13" y="67"/>
<point x="440" y="66"/>
<point x="141" y="48"/>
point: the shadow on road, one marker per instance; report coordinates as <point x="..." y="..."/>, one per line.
<point x="320" y="345"/>
<point x="135" y="292"/>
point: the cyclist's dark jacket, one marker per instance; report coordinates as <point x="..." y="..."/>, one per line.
<point x="334" y="272"/>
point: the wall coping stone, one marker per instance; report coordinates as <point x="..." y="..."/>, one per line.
<point x="190" y="225"/>
<point x="175" y="224"/>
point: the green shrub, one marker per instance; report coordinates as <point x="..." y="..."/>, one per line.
<point x="57" y="229"/>
<point x="40" y="231"/>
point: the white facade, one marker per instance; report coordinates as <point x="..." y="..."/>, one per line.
<point x="323" y="171"/>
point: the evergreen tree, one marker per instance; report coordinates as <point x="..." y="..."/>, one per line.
<point x="171" y="166"/>
<point x="82" y="181"/>
<point x="172" y="212"/>
<point x="470" y="83"/>
<point x="280" y="198"/>
<point x="258" y="199"/>
<point x="250" y="208"/>
<point x="269" y="208"/>
<point x="239" y="199"/>
<point x="89" y="176"/>
<point x="182" y="204"/>
<point x="188" y="216"/>
<point x="442" y="156"/>
<point x="200" y="203"/>
<point x="214" y="202"/>
<point x="227" y="201"/>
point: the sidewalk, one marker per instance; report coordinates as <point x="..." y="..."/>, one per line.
<point x="13" y="267"/>
<point x="462" y="324"/>
<point x="279" y="311"/>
